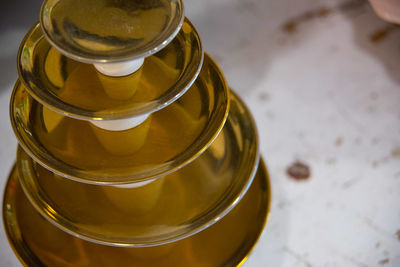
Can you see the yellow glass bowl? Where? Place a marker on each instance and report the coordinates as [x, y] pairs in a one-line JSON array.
[[110, 31], [78, 90], [168, 209], [78, 150], [36, 242]]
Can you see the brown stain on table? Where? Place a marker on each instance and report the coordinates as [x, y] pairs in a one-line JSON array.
[[396, 152], [299, 171], [291, 25], [339, 141], [383, 262], [375, 37], [381, 34]]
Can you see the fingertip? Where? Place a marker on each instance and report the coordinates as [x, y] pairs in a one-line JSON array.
[[388, 10]]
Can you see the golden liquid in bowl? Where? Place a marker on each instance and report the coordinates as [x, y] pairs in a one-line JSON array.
[[37, 242]]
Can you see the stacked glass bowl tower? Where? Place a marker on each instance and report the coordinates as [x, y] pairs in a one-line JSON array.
[[132, 150]]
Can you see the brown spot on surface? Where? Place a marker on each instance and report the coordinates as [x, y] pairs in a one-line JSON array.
[[291, 25], [323, 12], [396, 152], [382, 34], [383, 262], [378, 36], [398, 234], [339, 141], [299, 171], [378, 245]]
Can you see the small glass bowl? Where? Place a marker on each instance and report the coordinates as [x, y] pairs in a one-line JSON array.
[[79, 91], [110, 31]]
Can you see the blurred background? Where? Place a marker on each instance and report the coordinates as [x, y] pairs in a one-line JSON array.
[[322, 79]]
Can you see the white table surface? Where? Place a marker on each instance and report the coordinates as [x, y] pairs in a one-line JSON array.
[[322, 92]]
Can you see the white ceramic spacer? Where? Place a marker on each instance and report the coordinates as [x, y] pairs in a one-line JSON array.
[[134, 185], [119, 68], [121, 124]]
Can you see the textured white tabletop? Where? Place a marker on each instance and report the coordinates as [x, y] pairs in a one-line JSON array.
[[322, 79]]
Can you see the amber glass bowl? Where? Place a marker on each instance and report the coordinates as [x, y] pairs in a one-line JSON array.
[[36, 242], [174, 137], [168, 209], [78, 90], [110, 31]]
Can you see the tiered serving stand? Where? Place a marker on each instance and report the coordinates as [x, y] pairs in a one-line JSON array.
[[133, 150]]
